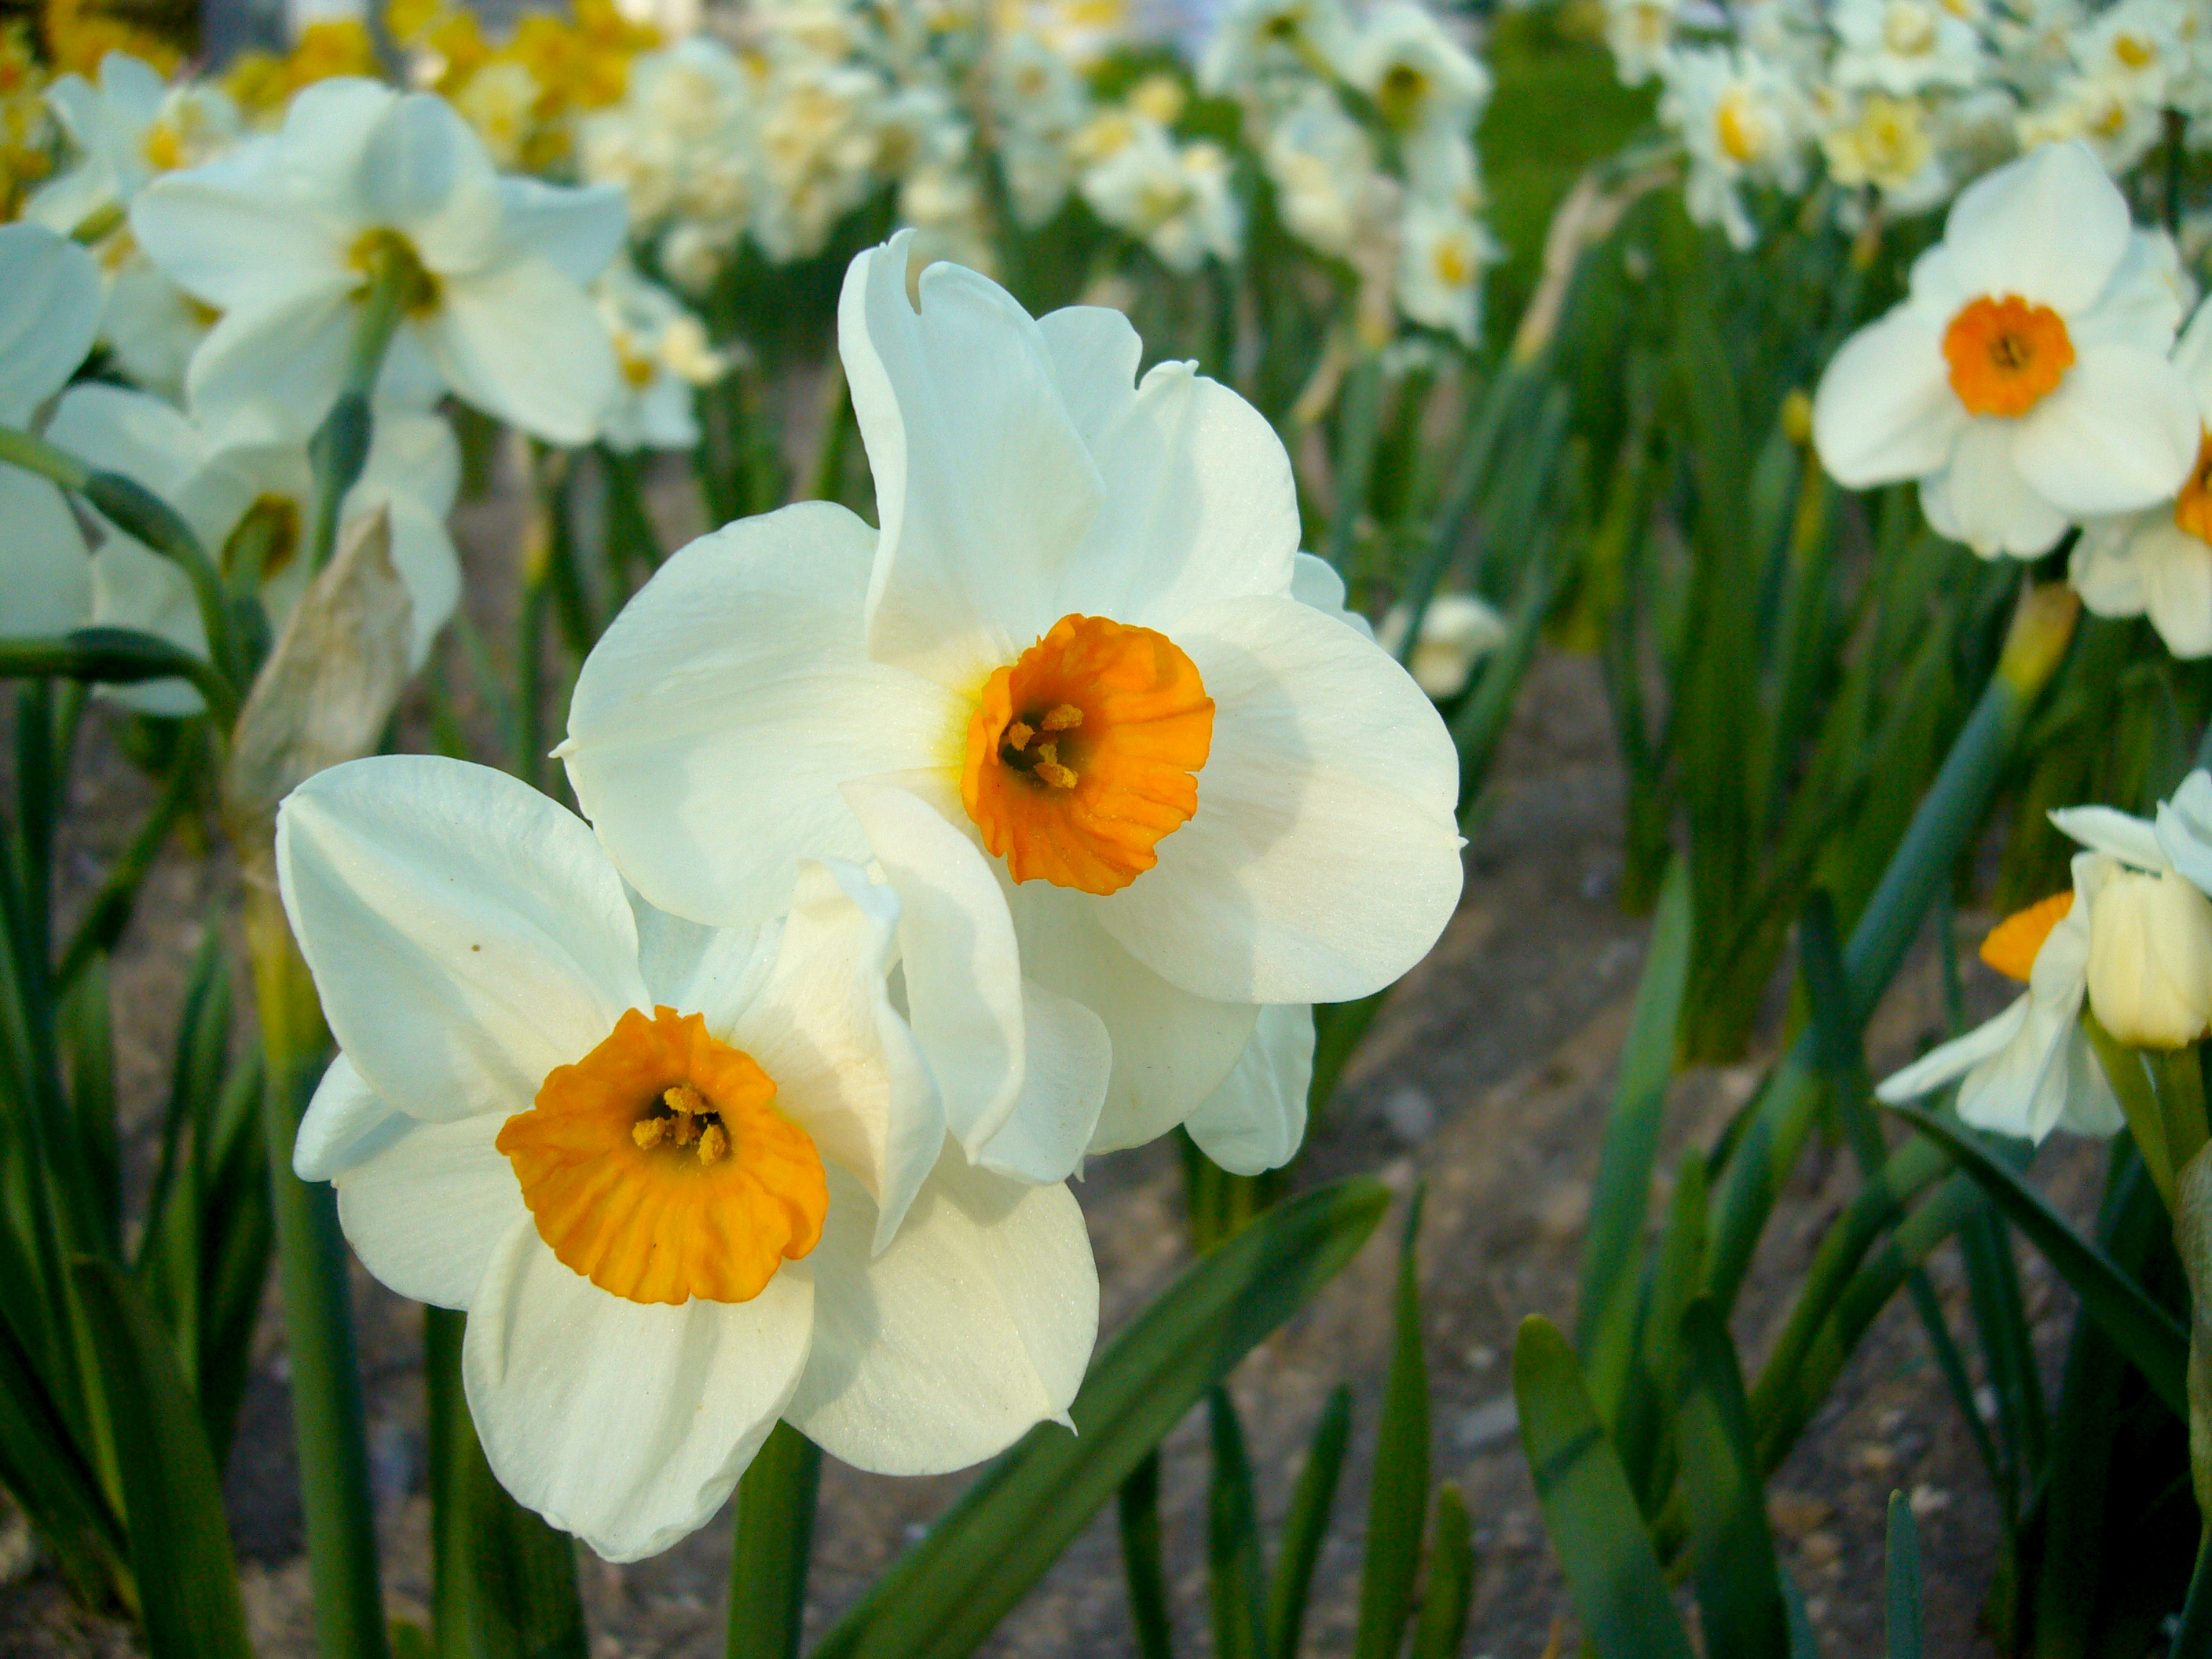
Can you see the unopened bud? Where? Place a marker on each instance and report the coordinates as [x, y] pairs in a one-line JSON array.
[[2150, 958]]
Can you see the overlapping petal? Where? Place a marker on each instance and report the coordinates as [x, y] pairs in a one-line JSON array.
[[1885, 408], [2119, 433], [1256, 1120], [427, 1211], [47, 325], [2050, 228]]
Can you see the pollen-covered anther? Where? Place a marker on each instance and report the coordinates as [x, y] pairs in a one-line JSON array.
[[714, 1143], [1082, 754]]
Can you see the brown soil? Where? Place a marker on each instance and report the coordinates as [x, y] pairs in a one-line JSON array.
[[1487, 1075]]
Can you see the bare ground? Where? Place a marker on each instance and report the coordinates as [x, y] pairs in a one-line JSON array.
[[1486, 1076]]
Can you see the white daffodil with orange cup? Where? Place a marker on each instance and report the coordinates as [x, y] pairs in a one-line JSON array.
[[685, 1181], [2025, 381], [1131, 787], [2131, 941]]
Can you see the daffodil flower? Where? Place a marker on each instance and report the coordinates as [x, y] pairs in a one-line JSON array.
[[685, 1182], [282, 235], [249, 499], [1131, 785], [46, 327], [128, 128], [2025, 381]]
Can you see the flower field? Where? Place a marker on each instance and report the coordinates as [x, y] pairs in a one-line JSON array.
[[912, 828]]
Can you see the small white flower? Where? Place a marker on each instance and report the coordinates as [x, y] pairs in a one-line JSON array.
[[1442, 254], [128, 130], [281, 236], [1457, 631], [1904, 46], [685, 1182], [1743, 121], [661, 351], [2025, 381]]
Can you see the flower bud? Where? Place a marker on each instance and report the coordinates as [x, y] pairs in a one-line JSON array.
[[2150, 958]]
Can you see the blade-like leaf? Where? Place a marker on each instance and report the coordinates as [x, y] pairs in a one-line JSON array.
[[1903, 1577], [1139, 1507], [2151, 1337], [950, 1590], [181, 1551], [1306, 1524], [1397, 1507], [1232, 1537], [1613, 1573], [1450, 1591], [47, 1475], [1620, 1197], [1731, 1551]]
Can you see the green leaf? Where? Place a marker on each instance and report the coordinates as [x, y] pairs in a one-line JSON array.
[[47, 1472], [1138, 1505], [947, 1594], [1620, 1197], [504, 1582], [775, 1542], [1232, 1537], [1642, 1444], [1731, 1551], [1611, 1572], [179, 1537], [1306, 1524], [1450, 1591], [2151, 1337], [1902, 1577], [1397, 1506]]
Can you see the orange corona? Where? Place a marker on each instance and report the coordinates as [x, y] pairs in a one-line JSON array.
[[2006, 356], [2192, 508], [2012, 943], [1082, 755], [658, 1167]]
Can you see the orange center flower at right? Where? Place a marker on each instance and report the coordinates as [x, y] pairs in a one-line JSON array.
[[1082, 755]]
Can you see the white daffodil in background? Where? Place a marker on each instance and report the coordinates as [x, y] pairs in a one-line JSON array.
[[1441, 256], [46, 327], [685, 1182], [2159, 562], [249, 499], [1457, 631], [661, 351], [2025, 381], [1743, 121], [282, 235], [127, 129], [2031, 1069], [1130, 786], [2150, 928]]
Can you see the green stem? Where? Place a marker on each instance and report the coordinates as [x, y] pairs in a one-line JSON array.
[[35, 454], [2194, 1639], [339, 448], [118, 656], [110, 911], [325, 1378], [774, 1540], [1360, 420]]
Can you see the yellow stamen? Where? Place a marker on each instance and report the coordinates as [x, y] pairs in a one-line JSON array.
[[1018, 735], [1065, 718], [649, 1132], [714, 1143]]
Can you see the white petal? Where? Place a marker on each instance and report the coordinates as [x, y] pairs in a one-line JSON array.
[[523, 342], [427, 1212], [2192, 356], [847, 1069], [974, 1325], [983, 486], [1170, 1050], [625, 1423], [328, 127], [2119, 434], [2020, 1090], [739, 667], [2105, 830], [2091, 1108], [1256, 1120], [575, 231], [1315, 581], [1981, 500], [711, 971], [1094, 353], [46, 575], [230, 234], [424, 173], [1323, 860], [2104, 569], [291, 352], [423, 555], [2050, 226], [344, 1117], [2184, 829], [1956, 1058], [1884, 409], [133, 586], [1071, 1066], [52, 312], [467, 934], [2177, 570], [1198, 506], [963, 969]]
